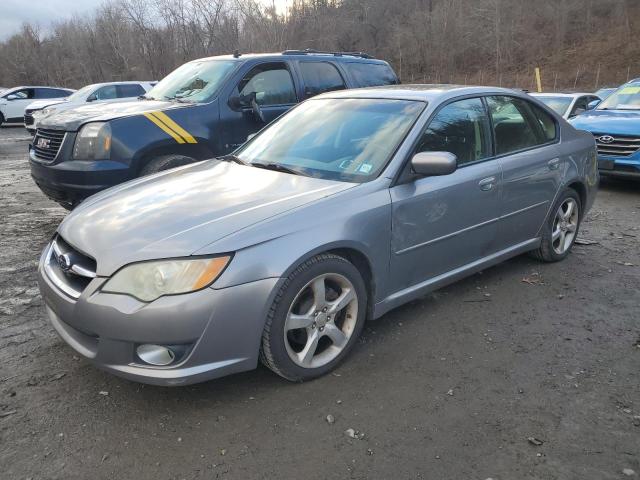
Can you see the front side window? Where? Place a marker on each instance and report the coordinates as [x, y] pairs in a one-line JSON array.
[[320, 77], [349, 140], [515, 125], [371, 74], [460, 128], [127, 90], [24, 94], [196, 81], [625, 98], [108, 92], [271, 84], [580, 106]]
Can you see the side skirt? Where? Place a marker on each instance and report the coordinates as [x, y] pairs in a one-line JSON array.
[[416, 291]]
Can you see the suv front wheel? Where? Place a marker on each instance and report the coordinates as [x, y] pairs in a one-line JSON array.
[[165, 162]]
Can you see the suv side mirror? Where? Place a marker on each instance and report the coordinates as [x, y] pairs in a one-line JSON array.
[[434, 163], [593, 104]]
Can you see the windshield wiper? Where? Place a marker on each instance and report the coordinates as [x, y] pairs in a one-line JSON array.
[[232, 158], [278, 168], [177, 99]]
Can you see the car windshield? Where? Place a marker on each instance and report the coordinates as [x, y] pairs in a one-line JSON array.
[[557, 104], [81, 94], [336, 139], [193, 82], [625, 98]]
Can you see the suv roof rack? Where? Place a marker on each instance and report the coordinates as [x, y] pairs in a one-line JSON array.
[[311, 51]]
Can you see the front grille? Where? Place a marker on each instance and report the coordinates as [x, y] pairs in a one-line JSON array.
[[70, 270], [28, 117], [620, 146], [46, 143]]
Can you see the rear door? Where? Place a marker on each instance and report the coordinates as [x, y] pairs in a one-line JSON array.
[[319, 77], [444, 222], [526, 143], [130, 90]]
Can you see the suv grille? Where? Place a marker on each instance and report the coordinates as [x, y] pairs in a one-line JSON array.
[[619, 145], [28, 117], [46, 143], [70, 270]]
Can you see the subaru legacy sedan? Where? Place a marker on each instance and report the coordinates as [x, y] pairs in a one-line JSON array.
[[351, 204]]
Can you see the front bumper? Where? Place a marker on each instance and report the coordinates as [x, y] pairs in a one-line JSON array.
[[623, 167], [220, 330], [70, 182]]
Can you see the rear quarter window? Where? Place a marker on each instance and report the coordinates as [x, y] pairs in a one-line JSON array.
[[371, 74]]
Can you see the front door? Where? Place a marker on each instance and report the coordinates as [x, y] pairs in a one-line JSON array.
[[445, 222], [17, 102], [270, 85]]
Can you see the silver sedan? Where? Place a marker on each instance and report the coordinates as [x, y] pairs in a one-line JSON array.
[[351, 204]]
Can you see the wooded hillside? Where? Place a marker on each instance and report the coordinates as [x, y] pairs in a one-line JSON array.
[[579, 44]]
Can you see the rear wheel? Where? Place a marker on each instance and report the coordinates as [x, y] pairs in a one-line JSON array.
[[561, 229], [1, 119], [315, 319], [165, 162]]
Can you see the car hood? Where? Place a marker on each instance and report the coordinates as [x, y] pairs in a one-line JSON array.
[[620, 122], [71, 120], [40, 104], [176, 213]]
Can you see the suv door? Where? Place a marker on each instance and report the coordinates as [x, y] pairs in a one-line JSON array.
[[525, 139], [272, 88], [17, 102], [444, 222]]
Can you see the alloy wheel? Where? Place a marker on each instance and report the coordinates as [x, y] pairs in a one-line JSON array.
[[565, 226], [321, 320]]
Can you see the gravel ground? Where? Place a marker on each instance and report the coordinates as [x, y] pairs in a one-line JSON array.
[[448, 387]]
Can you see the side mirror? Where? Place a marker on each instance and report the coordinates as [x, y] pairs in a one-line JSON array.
[[434, 163], [593, 104], [92, 98], [12, 97], [235, 103]]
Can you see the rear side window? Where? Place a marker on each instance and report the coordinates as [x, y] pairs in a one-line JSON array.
[[515, 125], [547, 123], [460, 128], [130, 90], [371, 74], [320, 77]]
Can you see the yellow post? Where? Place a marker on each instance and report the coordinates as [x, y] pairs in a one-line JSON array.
[[538, 80]]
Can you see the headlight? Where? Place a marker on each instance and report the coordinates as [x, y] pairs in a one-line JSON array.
[[38, 113], [93, 142], [148, 281]]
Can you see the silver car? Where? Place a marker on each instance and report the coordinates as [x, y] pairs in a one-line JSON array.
[[351, 204]]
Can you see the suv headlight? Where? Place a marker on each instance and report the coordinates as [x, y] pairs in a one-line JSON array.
[[93, 142], [148, 281]]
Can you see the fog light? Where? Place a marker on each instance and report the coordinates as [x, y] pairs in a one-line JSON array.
[[156, 354]]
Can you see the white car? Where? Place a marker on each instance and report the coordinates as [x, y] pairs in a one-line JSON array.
[[96, 92], [568, 104], [14, 100]]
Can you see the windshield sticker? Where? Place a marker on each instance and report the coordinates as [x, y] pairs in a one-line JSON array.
[[365, 168]]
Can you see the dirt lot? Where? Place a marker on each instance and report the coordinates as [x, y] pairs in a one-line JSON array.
[[448, 387]]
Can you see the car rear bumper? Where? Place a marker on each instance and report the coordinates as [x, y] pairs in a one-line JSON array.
[[70, 182], [215, 332]]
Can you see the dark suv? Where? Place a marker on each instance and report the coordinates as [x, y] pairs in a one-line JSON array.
[[206, 108]]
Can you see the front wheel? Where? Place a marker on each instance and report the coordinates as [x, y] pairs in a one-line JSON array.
[[165, 162], [316, 318], [561, 229]]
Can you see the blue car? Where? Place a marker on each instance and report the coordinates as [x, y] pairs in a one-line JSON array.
[[615, 124]]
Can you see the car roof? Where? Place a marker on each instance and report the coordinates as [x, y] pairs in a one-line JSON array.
[[567, 95], [123, 82], [298, 55], [9, 90], [420, 92]]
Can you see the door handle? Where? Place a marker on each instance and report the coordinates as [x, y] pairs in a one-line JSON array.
[[487, 184], [554, 164]]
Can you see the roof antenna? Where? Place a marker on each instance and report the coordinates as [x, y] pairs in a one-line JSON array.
[[236, 54]]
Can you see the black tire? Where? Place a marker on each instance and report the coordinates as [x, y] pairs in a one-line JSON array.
[[1, 119], [165, 162], [546, 252], [273, 351]]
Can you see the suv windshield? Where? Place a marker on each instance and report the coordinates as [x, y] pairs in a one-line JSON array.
[[625, 98], [193, 82], [557, 104], [336, 139]]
